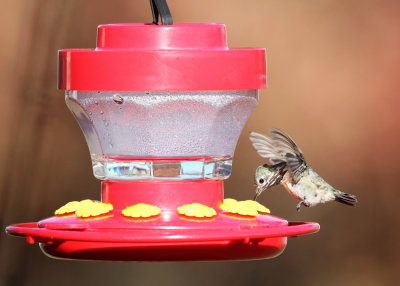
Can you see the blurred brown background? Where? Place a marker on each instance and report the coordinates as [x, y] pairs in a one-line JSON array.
[[334, 85]]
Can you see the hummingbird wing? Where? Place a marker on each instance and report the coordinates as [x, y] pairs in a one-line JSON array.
[[280, 170], [276, 173], [296, 166], [294, 158], [265, 148]]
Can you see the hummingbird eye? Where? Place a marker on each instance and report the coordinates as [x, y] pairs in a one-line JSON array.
[[261, 181]]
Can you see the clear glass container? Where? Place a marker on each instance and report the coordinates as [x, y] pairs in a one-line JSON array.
[[162, 135]]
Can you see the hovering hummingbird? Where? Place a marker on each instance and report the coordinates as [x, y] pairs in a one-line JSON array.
[[289, 168]]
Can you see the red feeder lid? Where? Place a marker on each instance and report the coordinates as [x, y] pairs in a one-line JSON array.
[[146, 57]]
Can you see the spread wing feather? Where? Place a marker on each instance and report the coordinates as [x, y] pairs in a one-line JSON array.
[[288, 148], [284, 144], [279, 147], [265, 148]]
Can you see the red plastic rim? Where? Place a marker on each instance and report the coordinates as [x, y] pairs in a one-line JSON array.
[[144, 57], [162, 245], [34, 233], [168, 236]]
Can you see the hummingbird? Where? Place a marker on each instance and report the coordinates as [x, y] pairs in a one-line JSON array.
[[289, 168]]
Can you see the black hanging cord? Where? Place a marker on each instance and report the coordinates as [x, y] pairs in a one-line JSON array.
[[160, 8]]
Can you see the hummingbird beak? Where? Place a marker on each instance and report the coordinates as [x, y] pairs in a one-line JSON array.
[[258, 192]]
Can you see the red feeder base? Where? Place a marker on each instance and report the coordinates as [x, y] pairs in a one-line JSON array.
[[166, 237]]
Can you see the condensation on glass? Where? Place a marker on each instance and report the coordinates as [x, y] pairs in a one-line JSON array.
[[162, 135]]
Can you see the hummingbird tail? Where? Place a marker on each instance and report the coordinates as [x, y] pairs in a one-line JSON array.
[[346, 199]]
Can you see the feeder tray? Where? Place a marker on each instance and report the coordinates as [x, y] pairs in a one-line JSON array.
[[165, 237]]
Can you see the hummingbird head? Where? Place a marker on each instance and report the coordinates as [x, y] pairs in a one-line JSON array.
[[261, 179], [267, 176]]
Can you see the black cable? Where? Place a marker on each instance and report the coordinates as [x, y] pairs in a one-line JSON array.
[[160, 8]]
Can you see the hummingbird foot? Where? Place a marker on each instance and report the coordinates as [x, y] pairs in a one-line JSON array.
[[304, 203], [299, 205]]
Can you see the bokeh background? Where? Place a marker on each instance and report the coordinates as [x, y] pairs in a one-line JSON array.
[[334, 85]]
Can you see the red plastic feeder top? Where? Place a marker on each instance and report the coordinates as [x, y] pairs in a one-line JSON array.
[[146, 57]]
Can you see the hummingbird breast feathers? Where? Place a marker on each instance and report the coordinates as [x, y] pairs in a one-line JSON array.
[[311, 189]]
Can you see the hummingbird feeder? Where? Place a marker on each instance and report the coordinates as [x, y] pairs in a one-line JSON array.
[[161, 107]]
